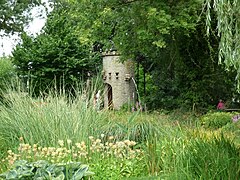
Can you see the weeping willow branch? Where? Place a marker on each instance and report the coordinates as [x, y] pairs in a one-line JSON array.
[[228, 27]]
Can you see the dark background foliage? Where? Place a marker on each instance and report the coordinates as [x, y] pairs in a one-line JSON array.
[[175, 65]]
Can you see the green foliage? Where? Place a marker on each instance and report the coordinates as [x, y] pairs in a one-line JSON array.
[[57, 57], [217, 158], [216, 120], [13, 14], [44, 170], [178, 76], [161, 36], [228, 24], [234, 130], [44, 120], [7, 75], [3, 149], [165, 149], [233, 127], [7, 72], [114, 169], [192, 79], [108, 159], [134, 27], [136, 126]]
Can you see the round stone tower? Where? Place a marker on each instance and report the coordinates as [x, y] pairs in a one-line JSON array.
[[119, 87]]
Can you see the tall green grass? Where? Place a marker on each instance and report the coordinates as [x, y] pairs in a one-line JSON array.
[[171, 150], [47, 119], [192, 158], [217, 158], [136, 126]]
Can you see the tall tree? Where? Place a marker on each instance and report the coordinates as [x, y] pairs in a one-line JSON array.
[[227, 13], [14, 14], [164, 37], [57, 55], [135, 26]]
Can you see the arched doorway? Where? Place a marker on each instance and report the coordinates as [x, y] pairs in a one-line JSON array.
[[109, 96]]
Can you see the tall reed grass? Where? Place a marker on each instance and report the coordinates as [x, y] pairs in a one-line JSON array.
[[216, 158], [46, 119]]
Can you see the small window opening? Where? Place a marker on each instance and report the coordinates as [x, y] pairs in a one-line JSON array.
[[117, 73]]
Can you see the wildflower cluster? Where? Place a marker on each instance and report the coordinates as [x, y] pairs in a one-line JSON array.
[[80, 151], [236, 118], [117, 149]]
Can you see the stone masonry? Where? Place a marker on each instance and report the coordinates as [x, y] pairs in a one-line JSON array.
[[119, 87]]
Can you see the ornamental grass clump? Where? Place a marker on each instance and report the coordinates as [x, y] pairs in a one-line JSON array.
[[136, 126], [215, 158], [47, 119]]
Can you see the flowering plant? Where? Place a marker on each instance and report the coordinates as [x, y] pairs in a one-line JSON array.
[[236, 118]]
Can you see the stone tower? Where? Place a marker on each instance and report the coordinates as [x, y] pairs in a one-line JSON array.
[[119, 87]]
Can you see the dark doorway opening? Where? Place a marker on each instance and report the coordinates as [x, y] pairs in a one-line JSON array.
[[109, 96]]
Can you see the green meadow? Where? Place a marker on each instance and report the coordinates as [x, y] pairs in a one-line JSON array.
[[60, 129]]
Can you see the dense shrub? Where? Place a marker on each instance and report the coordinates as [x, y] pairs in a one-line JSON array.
[[216, 120], [6, 72]]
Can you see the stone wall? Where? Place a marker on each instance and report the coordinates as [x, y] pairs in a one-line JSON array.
[[119, 76]]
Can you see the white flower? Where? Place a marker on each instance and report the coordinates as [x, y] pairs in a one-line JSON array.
[[111, 137], [98, 140], [69, 141], [78, 145], [61, 142], [91, 138]]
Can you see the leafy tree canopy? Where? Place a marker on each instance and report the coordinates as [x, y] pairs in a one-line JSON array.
[[166, 38], [14, 14], [227, 13], [57, 55], [135, 26]]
